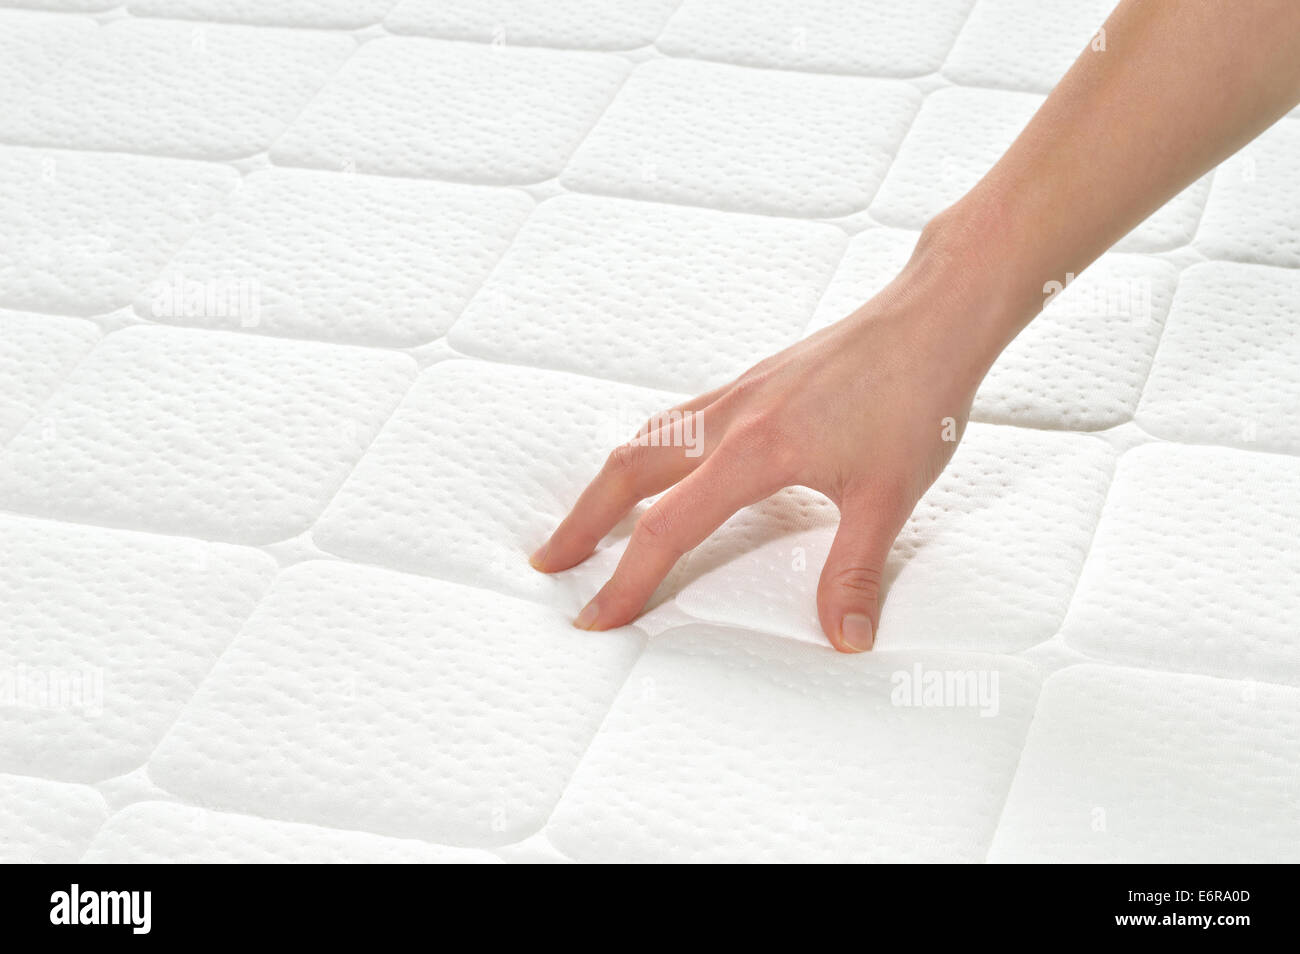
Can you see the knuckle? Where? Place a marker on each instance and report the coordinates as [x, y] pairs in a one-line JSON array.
[[762, 437], [623, 460], [748, 383], [655, 527], [860, 579], [785, 458], [756, 431]]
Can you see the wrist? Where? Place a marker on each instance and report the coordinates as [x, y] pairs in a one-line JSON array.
[[994, 284]]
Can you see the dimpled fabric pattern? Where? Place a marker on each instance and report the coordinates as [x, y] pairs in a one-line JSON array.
[[317, 315]]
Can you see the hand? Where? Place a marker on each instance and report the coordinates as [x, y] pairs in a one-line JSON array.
[[867, 412]]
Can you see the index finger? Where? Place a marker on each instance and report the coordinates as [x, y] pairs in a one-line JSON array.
[[677, 523]]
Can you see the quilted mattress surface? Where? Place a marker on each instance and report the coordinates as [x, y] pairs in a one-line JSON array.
[[316, 315]]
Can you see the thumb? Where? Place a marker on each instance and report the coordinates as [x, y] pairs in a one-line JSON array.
[[848, 594]]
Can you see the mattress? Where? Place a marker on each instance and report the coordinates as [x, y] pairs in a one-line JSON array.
[[317, 315]]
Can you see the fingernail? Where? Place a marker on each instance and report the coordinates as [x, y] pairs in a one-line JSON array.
[[587, 618], [856, 632], [538, 559]]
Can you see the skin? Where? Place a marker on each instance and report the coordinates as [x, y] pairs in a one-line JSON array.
[[860, 411]]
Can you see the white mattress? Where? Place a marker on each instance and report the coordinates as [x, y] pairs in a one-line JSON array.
[[264, 591]]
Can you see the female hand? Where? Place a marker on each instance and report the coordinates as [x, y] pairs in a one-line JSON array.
[[867, 412]]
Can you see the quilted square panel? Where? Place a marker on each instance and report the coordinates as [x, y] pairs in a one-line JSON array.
[[885, 39], [106, 636], [401, 706], [463, 111], [1122, 766], [84, 6], [83, 233], [958, 136], [170, 833], [44, 822], [870, 263], [1194, 567], [178, 89], [36, 353], [275, 261], [580, 24], [1079, 365], [1225, 371], [341, 14], [475, 470], [659, 295], [1082, 363], [1024, 501], [1255, 202], [1026, 44], [748, 140], [730, 745], [33, 46], [226, 437]]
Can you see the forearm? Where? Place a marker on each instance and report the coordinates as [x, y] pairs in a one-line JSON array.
[[1181, 85]]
